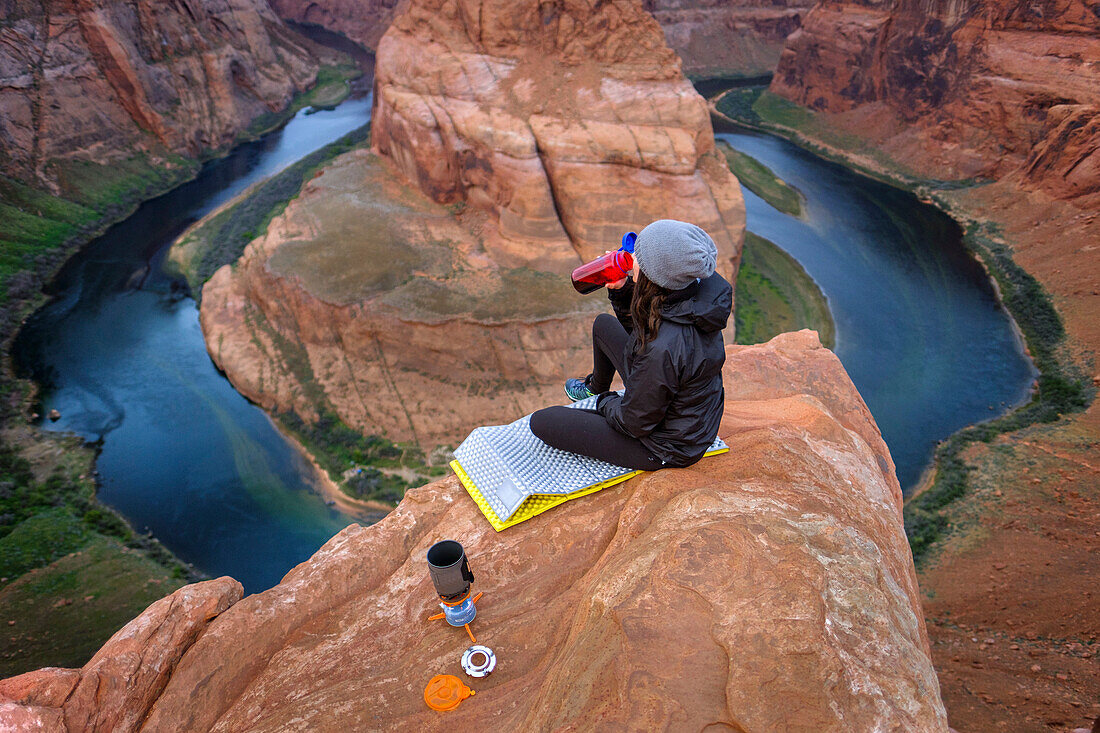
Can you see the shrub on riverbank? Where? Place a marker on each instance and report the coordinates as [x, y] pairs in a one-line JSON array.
[[1062, 388], [367, 467], [775, 294], [41, 520], [761, 180], [39, 229], [331, 87]]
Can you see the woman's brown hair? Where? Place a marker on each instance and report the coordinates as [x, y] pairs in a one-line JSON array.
[[645, 310]]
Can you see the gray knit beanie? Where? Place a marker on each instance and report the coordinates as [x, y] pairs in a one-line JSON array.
[[673, 253]]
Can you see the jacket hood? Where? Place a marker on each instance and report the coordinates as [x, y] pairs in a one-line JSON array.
[[705, 305]]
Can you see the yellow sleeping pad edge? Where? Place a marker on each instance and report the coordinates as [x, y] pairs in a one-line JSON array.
[[538, 503]]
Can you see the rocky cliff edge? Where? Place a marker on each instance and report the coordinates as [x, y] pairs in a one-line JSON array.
[[769, 588]]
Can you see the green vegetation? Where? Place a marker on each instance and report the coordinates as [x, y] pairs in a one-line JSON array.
[[64, 507], [1062, 388], [737, 104], [39, 540], [66, 610], [762, 181], [36, 228], [366, 467], [31, 223], [775, 295], [220, 239], [45, 524], [332, 86]]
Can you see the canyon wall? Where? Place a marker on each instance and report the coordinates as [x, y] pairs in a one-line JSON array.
[[738, 37], [566, 124], [770, 588], [362, 21], [960, 89], [101, 80]]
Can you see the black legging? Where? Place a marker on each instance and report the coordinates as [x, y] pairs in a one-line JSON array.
[[586, 431], [608, 344]]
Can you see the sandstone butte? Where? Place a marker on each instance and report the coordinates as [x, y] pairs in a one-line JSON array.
[[100, 80], [366, 299], [770, 588], [420, 289], [742, 38], [566, 124]]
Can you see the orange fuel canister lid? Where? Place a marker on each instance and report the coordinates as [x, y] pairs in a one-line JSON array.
[[445, 692]]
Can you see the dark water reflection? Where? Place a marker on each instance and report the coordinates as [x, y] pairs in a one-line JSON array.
[[918, 325], [120, 354]]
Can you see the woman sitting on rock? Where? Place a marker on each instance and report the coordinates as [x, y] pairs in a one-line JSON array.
[[665, 341]]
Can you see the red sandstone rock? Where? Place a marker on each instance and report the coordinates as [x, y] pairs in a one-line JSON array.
[[368, 297], [979, 88], [102, 80], [567, 123], [770, 588], [114, 691], [739, 37]]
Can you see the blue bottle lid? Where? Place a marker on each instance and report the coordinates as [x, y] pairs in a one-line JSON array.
[[628, 242]]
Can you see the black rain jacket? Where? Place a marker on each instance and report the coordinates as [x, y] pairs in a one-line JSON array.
[[674, 398]]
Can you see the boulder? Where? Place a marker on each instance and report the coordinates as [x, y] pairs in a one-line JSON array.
[[115, 689]]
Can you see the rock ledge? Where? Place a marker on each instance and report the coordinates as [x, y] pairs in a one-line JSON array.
[[770, 588]]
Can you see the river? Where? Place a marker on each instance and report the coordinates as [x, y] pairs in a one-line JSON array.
[[119, 353], [918, 324]]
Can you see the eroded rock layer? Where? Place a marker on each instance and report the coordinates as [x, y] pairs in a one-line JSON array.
[[568, 123], [743, 37], [367, 299], [738, 38], [99, 80], [770, 588], [960, 89]]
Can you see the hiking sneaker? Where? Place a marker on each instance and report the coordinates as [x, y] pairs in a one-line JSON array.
[[577, 389]]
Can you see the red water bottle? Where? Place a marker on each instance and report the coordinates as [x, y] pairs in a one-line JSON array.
[[607, 268]]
